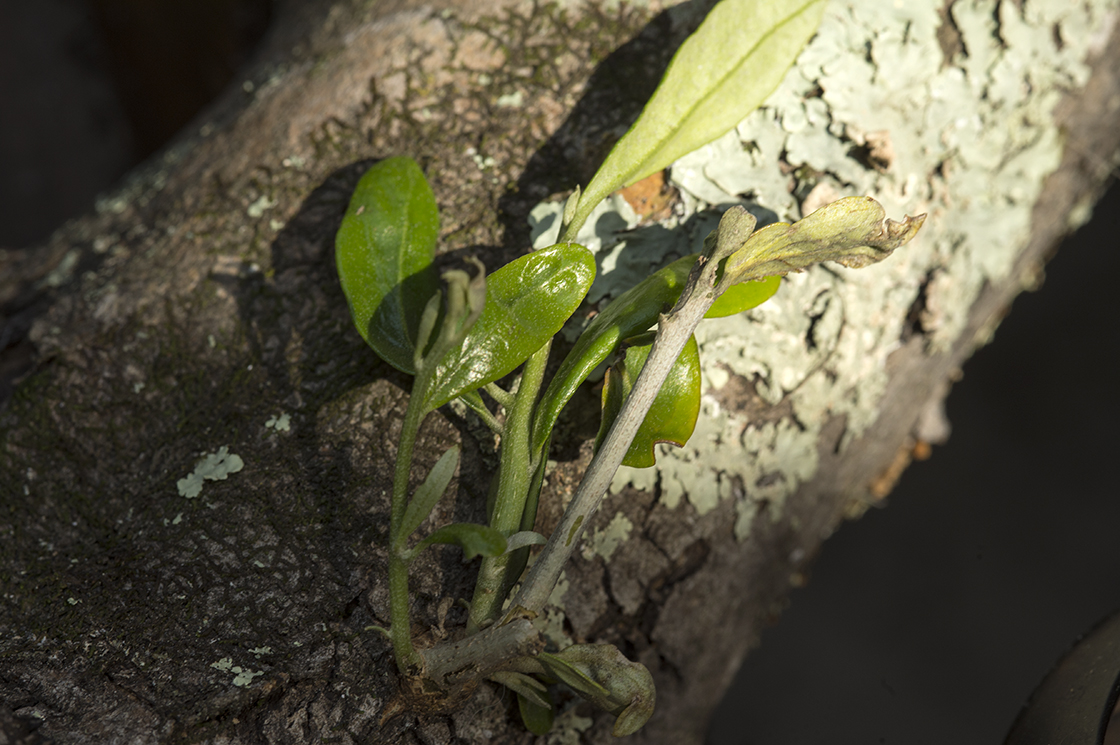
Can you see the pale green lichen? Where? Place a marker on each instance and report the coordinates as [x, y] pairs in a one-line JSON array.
[[281, 423], [604, 541], [510, 100], [242, 676], [568, 728], [870, 107], [258, 208], [550, 623], [214, 467]]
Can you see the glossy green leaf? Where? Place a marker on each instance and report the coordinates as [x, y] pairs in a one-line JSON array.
[[671, 418], [384, 251], [474, 539], [631, 313], [743, 296], [720, 74], [426, 497], [527, 302]]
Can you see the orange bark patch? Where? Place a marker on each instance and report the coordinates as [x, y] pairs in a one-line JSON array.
[[652, 197]]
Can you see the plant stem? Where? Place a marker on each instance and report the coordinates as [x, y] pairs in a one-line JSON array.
[[477, 655], [499, 573], [400, 629], [673, 332]]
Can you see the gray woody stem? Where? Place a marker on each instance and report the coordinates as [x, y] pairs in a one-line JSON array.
[[673, 331], [851, 231]]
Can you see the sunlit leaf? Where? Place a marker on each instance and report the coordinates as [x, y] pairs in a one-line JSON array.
[[720, 74], [852, 231], [527, 302], [631, 313], [384, 251], [671, 418], [743, 296]]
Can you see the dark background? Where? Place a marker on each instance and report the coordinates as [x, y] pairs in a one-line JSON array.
[[928, 622]]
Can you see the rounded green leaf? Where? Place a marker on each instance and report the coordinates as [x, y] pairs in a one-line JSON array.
[[527, 302], [743, 296], [384, 251], [671, 418]]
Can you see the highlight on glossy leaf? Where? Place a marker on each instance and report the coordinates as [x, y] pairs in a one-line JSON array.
[[633, 312], [671, 418], [383, 250], [527, 302], [721, 73], [744, 296]]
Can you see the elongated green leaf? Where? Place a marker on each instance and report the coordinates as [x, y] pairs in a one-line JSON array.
[[523, 685], [384, 251], [631, 313], [720, 74], [426, 497], [852, 231], [474, 539], [744, 296], [671, 418], [527, 302]]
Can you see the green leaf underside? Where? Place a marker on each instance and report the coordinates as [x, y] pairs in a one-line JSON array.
[[671, 418], [384, 249], [524, 685], [744, 296], [721, 73], [852, 231], [537, 719], [602, 675], [527, 302], [630, 314], [474, 539], [429, 493]]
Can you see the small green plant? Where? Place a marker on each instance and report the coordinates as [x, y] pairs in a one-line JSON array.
[[460, 337]]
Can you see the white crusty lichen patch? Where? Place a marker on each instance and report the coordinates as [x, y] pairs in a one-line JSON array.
[[241, 676], [213, 467], [874, 105], [605, 541]]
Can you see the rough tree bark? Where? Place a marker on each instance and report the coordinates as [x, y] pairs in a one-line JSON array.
[[198, 308]]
